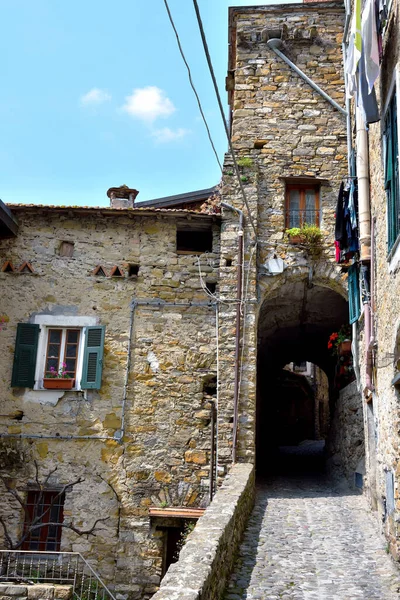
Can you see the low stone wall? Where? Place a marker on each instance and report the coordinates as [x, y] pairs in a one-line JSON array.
[[345, 446], [207, 557], [37, 591]]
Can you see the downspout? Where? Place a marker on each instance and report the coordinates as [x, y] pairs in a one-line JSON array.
[[120, 434], [212, 452], [238, 325], [364, 208], [274, 44]]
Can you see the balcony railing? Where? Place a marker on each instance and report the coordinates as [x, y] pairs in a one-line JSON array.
[[298, 218], [66, 568]]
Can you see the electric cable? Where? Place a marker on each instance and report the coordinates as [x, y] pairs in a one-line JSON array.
[[221, 108], [191, 82]]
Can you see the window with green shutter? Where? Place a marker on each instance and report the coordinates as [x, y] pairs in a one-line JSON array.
[[391, 152], [26, 344], [354, 294], [93, 358]]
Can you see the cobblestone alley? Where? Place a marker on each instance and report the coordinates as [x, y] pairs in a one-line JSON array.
[[306, 540]]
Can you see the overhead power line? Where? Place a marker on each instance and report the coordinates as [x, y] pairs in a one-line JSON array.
[[221, 108], [191, 82]]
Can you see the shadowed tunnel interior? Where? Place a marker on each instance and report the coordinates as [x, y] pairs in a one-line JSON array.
[[295, 323]]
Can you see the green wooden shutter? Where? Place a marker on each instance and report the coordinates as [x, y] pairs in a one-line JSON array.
[[354, 294], [93, 358], [392, 172], [26, 345]]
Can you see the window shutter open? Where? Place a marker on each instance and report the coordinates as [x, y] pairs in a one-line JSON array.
[[26, 345], [93, 358], [354, 294]]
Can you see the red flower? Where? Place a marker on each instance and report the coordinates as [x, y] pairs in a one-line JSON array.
[[329, 345]]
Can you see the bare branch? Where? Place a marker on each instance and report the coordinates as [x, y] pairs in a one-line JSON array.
[[53, 501], [71, 526], [50, 473], [6, 534]]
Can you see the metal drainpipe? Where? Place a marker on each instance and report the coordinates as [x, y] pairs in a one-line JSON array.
[[238, 326], [364, 209], [274, 44], [212, 454], [369, 321], [348, 120], [128, 366]]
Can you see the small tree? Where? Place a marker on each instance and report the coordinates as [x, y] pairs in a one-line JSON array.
[[35, 522]]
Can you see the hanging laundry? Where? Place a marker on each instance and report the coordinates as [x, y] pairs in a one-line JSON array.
[[370, 49], [353, 204], [340, 225], [351, 69], [381, 15], [366, 101], [346, 228], [357, 31]]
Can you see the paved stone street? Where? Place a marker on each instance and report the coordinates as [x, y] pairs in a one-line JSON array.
[[307, 541]]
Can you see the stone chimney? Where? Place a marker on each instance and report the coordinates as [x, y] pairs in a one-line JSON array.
[[122, 197]]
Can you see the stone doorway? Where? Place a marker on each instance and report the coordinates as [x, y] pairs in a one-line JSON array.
[[295, 391]]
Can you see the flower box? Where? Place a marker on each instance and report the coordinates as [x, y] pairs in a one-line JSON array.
[[344, 348], [296, 239], [58, 383]]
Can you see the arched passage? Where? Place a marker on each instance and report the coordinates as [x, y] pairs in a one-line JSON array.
[[294, 325]]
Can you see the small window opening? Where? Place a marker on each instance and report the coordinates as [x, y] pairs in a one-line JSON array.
[[100, 271], [174, 540], [116, 272], [211, 286], [8, 267], [228, 262], [25, 268], [67, 249], [302, 205], [194, 242], [210, 385], [46, 508], [133, 270], [299, 366]]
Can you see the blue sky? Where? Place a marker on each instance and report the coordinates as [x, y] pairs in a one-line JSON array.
[[95, 95]]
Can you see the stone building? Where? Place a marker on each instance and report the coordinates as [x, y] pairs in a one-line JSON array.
[[176, 317], [378, 324]]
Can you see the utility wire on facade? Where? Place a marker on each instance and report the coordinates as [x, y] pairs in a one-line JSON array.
[[191, 83], [221, 108]]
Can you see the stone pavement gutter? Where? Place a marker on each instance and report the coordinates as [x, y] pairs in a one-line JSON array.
[[207, 558]]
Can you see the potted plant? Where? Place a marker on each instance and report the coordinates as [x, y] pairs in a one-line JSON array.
[[310, 236], [295, 235], [340, 342], [58, 380]]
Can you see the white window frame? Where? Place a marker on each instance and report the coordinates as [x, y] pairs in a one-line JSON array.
[[47, 322]]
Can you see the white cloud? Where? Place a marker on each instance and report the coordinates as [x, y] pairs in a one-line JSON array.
[[165, 135], [148, 103], [95, 96]]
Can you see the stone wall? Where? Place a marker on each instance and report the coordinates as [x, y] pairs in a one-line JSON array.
[[39, 591], [382, 414], [345, 444], [164, 455], [287, 133], [208, 555]]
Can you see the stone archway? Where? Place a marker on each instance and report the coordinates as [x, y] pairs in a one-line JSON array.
[[294, 324]]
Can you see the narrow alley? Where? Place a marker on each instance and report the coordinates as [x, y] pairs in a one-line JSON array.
[[307, 540]]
